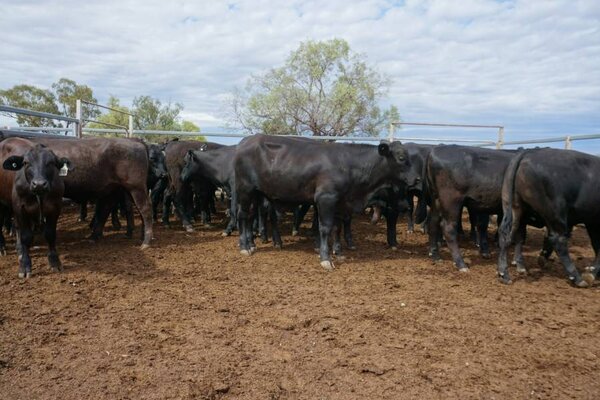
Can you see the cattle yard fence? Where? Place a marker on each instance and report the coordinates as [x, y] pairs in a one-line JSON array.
[[78, 129]]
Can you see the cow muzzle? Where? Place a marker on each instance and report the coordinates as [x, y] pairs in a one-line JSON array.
[[39, 186]]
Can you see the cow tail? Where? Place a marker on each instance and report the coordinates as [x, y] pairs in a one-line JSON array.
[[425, 198], [508, 193]]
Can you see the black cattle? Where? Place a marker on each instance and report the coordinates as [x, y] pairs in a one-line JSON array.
[[337, 177], [560, 187], [458, 176], [31, 187], [180, 194], [104, 166], [217, 166], [158, 177]]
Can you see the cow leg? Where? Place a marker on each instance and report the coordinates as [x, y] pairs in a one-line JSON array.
[[434, 231], [314, 228], [5, 215], [475, 219], [50, 236], [449, 222], [409, 220], [101, 212], [546, 252], [167, 205], [156, 194], [232, 214], [180, 201], [594, 233], [262, 217], [519, 240], [559, 238], [336, 233], [391, 219], [142, 202], [347, 224], [299, 214], [327, 205], [277, 243], [483, 221], [82, 211], [114, 218], [127, 209], [246, 201], [24, 242]]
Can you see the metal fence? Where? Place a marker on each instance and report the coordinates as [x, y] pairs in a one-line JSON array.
[[78, 129]]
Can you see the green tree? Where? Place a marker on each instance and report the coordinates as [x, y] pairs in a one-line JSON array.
[[67, 92], [112, 117], [189, 126], [323, 89], [151, 114], [31, 98]]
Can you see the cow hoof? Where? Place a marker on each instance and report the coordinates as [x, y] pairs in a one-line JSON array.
[[245, 252], [463, 269], [588, 277], [394, 248], [505, 281], [521, 269], [410, 231], [582, 284], [486, 255], [294, 233], [144, 246], [225, 234], [189, 228], [21, 275], [541, 261], [2, 252], [277, 246], [327, 265], [352, 247], [340, 257]]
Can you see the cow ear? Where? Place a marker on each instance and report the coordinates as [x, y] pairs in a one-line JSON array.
[[191, 154], [65, 162], [13, 163], [383, 149]]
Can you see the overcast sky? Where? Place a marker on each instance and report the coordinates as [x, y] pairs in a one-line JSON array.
[[533, 66]]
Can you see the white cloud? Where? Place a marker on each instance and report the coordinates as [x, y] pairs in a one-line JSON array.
[[475, 60]]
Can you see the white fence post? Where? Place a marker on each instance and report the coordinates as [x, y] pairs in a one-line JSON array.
[[130, 132], [391, 132], [500, 142], [568, 143], [78, 126]]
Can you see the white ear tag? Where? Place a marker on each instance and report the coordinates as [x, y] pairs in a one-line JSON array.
[[64, 170]]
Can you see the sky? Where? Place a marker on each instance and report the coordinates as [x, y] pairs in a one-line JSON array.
[[532, 66]]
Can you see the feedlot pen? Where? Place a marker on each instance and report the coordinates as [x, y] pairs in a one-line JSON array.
[[192, 318]]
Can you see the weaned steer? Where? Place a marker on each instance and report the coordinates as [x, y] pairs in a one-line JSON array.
[[103, 166], [175, 152], [339, 178], [217, 166], [458, 176], [32, 187], [561, 188]]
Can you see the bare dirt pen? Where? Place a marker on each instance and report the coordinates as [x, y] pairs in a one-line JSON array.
[[192, 318]]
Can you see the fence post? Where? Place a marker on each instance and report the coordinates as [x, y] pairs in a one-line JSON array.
[[500, 142], [391, 132], [568, 143], [130, 131], [78, 126]]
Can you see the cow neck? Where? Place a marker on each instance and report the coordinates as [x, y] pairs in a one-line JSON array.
[[377, 172], [207, 163]]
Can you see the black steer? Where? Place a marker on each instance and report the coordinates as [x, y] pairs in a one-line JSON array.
[[560, 187], [33, 189], [339, 178]]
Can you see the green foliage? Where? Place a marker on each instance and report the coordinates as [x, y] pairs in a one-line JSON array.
[[68, 91], [189, 126], [32, 98], [323, 89], [112, 117], [151, 114]]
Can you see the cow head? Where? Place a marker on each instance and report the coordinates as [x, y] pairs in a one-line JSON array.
[[39, 167], [399, 160], [156, 157], [191, 166]]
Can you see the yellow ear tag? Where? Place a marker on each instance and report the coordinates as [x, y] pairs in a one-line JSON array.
[[64, 170]]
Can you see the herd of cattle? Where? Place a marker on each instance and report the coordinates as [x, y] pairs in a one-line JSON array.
[[266, 175]]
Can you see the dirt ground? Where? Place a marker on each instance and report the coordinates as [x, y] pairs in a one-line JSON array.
[[192, 318]]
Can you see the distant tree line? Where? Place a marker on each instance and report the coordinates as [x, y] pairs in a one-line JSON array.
[[149, 113]]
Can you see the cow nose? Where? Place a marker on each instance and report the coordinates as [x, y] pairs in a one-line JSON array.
[[38, 186]]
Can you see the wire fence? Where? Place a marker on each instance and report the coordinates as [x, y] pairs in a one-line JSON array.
[[78, 129]]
